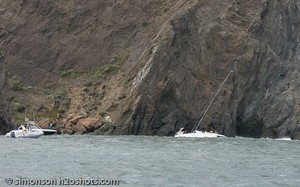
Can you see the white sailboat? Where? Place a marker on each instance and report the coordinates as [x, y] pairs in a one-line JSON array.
[[197, 134], [203, 134]]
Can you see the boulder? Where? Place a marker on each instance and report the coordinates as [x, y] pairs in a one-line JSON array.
[[87, 125], [105, 129], [44, 123], [68, 129], [76, 119]]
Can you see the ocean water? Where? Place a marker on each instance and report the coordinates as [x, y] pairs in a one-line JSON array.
[[148, 161]]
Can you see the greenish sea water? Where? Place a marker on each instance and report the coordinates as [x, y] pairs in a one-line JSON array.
[[150, 161]]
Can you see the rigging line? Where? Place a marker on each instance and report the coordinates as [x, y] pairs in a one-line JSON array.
[[197, 123], [213, 99], [199, 119], [225, 110]]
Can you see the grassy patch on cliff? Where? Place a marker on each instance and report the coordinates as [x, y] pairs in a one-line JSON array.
[[105, 70], [118, 59], [121, 56], [17, 107], [127, 81], [20, 117], [15, 84], [60, 99], [70, 74], [52, 114]]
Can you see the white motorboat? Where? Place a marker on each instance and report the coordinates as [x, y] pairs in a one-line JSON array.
[[35, 127], [203, 134], [23, 132], [197, 134]]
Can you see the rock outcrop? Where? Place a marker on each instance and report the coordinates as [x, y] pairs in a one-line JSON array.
[[87, 125], [5, 123], [258, 40], [154, 66]]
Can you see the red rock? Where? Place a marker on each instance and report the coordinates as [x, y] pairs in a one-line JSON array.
[[87, 125], [43, 123], [68, 128], [76, 119]]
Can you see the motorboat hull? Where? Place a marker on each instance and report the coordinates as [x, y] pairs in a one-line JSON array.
[[46, 131], [49, 132], [199, 134], [24, 134]]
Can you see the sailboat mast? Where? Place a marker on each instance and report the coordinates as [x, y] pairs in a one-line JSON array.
[[213, 99]]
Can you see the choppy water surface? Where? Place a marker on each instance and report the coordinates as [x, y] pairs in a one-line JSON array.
[[153, 161]]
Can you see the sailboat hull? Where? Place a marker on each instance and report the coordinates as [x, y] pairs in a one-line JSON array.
[[199, 134]]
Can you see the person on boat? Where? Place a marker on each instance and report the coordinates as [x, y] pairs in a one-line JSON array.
[[181, 131], [24, 130], [50, 125]]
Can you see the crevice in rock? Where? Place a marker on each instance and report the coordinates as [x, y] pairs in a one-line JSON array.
[[253, 128]]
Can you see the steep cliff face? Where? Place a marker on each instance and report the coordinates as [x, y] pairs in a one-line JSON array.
[[5, 123], [153, 66], [41, 39], [258, 40], [272, 100]]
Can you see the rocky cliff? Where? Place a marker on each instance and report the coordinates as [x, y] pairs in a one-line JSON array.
[[136, 67], [5, 123]]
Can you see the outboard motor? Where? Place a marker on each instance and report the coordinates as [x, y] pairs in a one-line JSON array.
[[12, 134]]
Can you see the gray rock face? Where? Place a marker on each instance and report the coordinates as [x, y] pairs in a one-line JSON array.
[[258, 40], [5, 124]]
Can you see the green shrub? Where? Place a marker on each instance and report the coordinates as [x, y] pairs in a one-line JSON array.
[[48, 92], [103, 114], [28, 88], [69, 74], [15, 84], [20, 117], [121, 56], [17, 107], [49, 85], [60, 99], [52, 114], [127, 80], [109, 68]]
